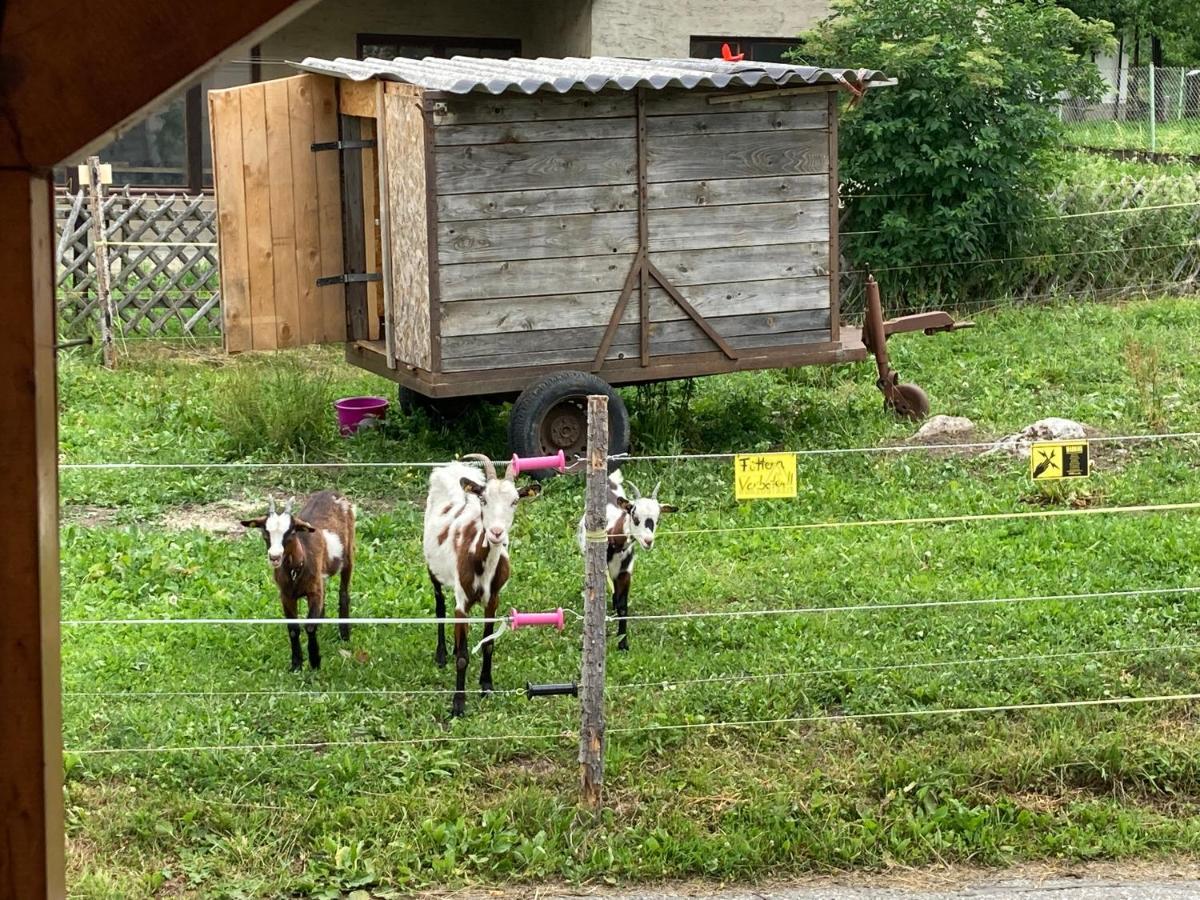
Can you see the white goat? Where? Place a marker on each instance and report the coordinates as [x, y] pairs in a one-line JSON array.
[[467, 518], [629, 523]]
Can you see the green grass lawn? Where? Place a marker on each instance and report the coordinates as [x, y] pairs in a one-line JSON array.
[[490, 799], [1180, 137]]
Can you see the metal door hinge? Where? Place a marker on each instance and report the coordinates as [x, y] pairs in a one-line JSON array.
[[349, 278], [343, 145]]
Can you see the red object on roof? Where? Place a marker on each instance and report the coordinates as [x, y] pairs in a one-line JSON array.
[[729, 56]]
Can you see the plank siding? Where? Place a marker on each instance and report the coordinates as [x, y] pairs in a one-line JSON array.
[[553, 202], [552, 164], [760, 153], [497, 317], [305, 213], [278, 212], [536, 108], [225, 117], [404, 123], [627, 334], [577, 275], [331, 299], [732, 191], [722, 227], [622, 198], [283, 214], [631, 350], [258, 212], [599, 234], [533, 132], [732, 122], [673, 103]]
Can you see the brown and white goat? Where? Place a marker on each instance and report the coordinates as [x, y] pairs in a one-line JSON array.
[[630, 524], [304, 550], [467, 518]]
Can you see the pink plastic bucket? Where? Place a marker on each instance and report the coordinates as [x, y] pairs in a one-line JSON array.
[[353, 411]]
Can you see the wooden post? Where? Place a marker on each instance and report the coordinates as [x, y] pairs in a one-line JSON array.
[[100, 260], [31, 765], [591, 694]]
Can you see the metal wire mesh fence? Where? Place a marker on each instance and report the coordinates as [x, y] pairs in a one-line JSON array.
[[1153, 110]]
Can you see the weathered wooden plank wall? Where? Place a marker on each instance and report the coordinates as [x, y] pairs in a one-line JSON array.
[[279, 223], [537, 229]]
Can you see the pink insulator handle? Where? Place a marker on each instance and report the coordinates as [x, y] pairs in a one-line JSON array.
[[529, 619], [520, 464]]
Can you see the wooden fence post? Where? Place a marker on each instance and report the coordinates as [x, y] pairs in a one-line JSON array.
[[591, 732], [95, 190]]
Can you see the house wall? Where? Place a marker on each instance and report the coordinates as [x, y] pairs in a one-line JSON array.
[[665, 27], [330, 29]]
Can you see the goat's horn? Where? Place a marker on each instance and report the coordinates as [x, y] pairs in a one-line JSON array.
[[489, 467], [654, 493], [271, 505], [287, 510], [637, 495]]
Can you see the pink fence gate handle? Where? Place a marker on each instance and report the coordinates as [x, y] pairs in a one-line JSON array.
[[520, 464], [530, 619]]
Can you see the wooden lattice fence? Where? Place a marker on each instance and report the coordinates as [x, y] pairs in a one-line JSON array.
[[162, 255]]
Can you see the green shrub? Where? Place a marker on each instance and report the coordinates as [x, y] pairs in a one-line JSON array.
[[279, 408], [948, 166]]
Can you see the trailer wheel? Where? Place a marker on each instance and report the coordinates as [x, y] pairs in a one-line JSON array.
[[913, 402], [445, 409], [551, 415]]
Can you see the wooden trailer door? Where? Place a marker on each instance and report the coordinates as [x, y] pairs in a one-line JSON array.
[[279, 213]]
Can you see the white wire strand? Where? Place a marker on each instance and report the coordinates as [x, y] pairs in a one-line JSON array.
[[914, 604], [736, 678], [900, 448], [383, 620], [936, 520], [323, 745], [366, 692], [916, 713], [1052, 218]]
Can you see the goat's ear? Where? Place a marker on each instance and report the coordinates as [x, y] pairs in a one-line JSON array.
[[530, 490], [667, 507], [260, 522], [626, 504], [301, 525], [471, 486]]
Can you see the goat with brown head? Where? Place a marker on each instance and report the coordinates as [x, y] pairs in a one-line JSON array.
[[305, 550]]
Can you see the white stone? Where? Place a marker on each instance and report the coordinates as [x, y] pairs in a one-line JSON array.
[[1049, 429], [944, 430]]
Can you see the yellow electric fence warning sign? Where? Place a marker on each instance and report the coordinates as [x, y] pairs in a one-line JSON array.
[[1051, 460], [764, 476]]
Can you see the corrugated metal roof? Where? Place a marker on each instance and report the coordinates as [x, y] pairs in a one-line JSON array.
[[467, 74]]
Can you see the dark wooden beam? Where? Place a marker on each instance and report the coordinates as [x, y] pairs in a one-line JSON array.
[[31, 826], [57, 102]]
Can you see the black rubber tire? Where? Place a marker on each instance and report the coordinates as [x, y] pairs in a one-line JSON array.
[[528, 426], [446, 409]]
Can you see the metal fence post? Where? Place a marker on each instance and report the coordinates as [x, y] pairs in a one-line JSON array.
[[1153, 112], [591, 731], [95, 190]]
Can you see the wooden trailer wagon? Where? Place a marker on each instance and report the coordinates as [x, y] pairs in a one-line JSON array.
[[542, 229]]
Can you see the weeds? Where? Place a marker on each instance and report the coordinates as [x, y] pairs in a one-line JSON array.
[[1145, 367], [278, 409]]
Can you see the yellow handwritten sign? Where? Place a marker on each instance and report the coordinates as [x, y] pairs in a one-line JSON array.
[[764, 476], [1051, 460]]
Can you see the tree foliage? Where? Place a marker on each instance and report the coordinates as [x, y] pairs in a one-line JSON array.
[[963, 141]]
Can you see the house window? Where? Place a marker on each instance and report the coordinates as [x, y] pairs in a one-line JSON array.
[[169, 150], [757, 49], [389, 46]]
